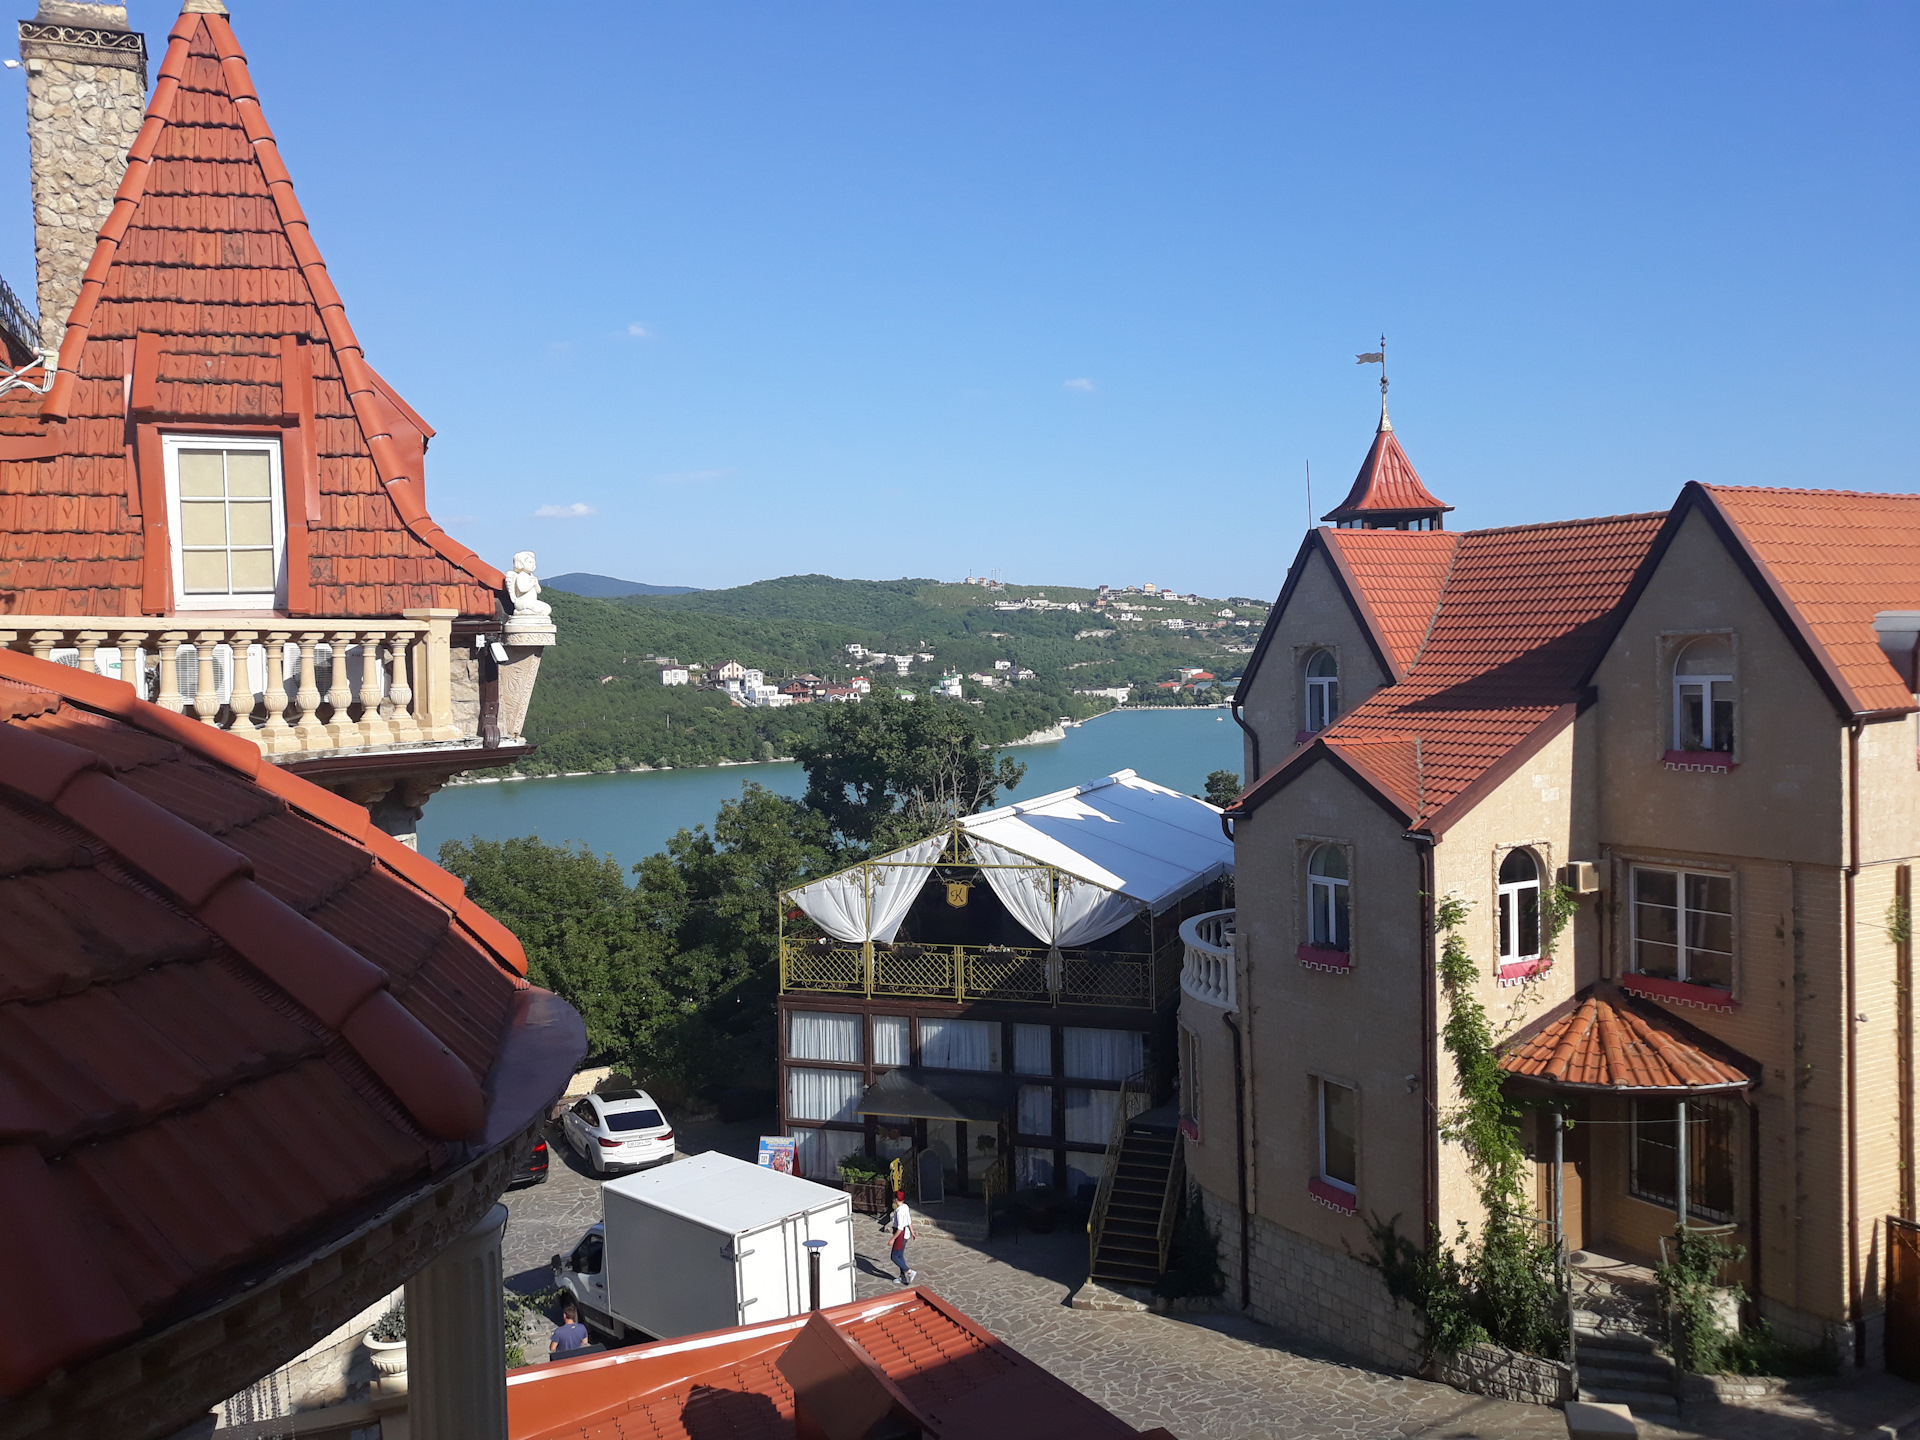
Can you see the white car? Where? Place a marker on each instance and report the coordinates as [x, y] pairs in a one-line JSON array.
[[620, 1128]]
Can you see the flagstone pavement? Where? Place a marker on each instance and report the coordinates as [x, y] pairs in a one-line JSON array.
[[1203, 1377]]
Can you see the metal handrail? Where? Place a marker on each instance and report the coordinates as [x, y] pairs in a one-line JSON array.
[[972, 972], [1131, 1088], [1170, 1202]]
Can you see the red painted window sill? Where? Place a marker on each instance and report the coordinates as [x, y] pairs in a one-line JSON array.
[[1190, 1128], [1333, 1197], [1516, 971], [1714, 761], [1658, 987], [1317, 957]]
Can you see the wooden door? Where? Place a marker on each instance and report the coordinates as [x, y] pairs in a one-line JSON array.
[[1903, 1298]]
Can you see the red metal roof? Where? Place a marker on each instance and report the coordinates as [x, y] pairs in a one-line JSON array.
[[232, 1012], [1837, 558], [1605, 1039], [207, 301], [1387, 483], [952, 1378]]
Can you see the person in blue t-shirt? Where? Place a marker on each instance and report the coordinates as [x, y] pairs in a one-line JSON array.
[[571, 1335]]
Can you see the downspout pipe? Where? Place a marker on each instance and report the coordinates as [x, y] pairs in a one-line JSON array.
[[1855, 1300], [1253, 738], [1429, 1041], [1240, 1166]]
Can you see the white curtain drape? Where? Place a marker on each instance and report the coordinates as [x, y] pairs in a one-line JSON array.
[[1090, 1115], [869, 901], [821, 1151], [1062, 910], [822, 1094], [1033, 1049], [812, 1036], [960, 1044], [1036, 1110], [890, 1040], [1103, 1054]]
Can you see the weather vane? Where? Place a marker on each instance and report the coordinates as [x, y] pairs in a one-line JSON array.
[[1379, 357]]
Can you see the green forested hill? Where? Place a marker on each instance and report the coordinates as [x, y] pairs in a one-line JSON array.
[[599, 704]]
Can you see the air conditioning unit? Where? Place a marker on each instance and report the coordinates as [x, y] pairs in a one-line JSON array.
[[1581, 876]]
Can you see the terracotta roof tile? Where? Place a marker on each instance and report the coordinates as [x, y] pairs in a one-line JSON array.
[[1605, 1039], [1387, 484], [191, 964], [1400, 575]]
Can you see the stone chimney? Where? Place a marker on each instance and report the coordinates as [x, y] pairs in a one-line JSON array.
[[86, 96]]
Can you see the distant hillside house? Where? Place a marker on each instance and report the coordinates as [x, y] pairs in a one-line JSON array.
[[674, 675], [730, 670]]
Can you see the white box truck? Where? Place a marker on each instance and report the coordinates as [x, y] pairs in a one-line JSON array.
[[706, 1243]]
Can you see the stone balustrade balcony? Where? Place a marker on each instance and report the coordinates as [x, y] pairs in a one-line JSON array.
[[1206, 971]]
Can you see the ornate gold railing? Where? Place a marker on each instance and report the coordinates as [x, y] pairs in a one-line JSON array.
[[970, 972]]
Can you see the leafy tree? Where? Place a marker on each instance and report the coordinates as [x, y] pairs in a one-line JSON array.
[[888, 771], [1223, 787]]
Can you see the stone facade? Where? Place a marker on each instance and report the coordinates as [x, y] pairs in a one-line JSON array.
[[86, 98], [1302, 1286], [1506, 1375]]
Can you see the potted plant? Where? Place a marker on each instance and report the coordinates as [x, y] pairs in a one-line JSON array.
[[386, 1341], [866, 1181]]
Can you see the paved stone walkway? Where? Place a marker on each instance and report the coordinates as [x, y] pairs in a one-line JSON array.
[[1204, 1377]]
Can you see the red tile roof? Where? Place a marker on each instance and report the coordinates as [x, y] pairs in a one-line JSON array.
[[207, 299], [1386, 485], [1605, 1039], [953, 1379], [232, 1012], [1836, 557], [1397, 577]]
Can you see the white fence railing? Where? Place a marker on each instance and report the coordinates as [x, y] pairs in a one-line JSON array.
[[1206, 972], [291, 687]]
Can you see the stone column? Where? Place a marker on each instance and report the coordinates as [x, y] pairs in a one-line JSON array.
[[432, 674], [86, 96], [526, 642], [456, 1356]]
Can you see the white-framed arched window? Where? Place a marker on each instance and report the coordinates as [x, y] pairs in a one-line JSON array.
[[1703, 696], [1323, 690], [1327, 898], [1519, 907]]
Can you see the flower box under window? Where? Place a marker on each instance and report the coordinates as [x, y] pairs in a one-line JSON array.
[[1321, 957]]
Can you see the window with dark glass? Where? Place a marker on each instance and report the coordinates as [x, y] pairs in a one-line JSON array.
[[1323, 690], [1656, 1157], [1327, 898], [1519, 896], [1683, 926], [1703, 696], [1339, 1135]]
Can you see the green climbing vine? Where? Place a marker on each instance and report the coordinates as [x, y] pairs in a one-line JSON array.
[[1503, 1285], [1899, 922], [1558, 905]]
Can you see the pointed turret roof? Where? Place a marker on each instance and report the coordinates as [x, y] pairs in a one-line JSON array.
[[1387, 490]]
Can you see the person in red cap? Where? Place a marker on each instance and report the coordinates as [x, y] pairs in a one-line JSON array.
[[902, 1232]]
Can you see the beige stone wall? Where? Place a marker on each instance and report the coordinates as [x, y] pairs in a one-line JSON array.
[[85, 103], [1317, 617], [1212, 1158]]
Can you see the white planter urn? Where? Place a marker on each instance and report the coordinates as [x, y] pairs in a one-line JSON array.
[[389, 1357]]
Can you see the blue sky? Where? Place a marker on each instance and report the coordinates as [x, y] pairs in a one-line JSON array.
[[1073, 290]]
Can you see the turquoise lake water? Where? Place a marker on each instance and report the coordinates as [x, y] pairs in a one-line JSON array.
[[632, 815]]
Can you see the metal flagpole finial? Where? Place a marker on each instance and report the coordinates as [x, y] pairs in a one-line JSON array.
[[1379, 357]]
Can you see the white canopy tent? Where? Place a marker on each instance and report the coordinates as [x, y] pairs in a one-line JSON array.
[[1071, 866]]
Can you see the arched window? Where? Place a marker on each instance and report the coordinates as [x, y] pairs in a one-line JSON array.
[[1519, 907], [1327, 898], [1703, 696], [1323, 690]]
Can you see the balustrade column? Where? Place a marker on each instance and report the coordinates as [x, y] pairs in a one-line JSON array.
[[206, 694], [43, 642], [399, 710], [89, 642], [374, 729], [312, 734], [133, 661], [240, 690], [170, 697], [341, 730], [277, 736]]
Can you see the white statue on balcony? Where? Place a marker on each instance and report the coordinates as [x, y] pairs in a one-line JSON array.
[[523, 589]]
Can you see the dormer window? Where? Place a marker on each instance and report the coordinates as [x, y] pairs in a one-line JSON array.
[[1323, 690], [1703, 696], [229, 522], [1519, 896]]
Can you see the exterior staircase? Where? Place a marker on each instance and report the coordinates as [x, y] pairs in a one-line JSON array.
[[1133, 1215], [1616, 1339]]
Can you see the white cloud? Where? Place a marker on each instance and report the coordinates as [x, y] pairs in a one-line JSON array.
[[693, 477], [638, 331], [1083, 385], [574, 511]]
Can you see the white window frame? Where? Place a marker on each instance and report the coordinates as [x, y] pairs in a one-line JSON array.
[[1706, 684], [171, 446], [1322, 691], [1507, 897], [1351, 1187], [1190, 1075], [1325, 891], [1683, 968]]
